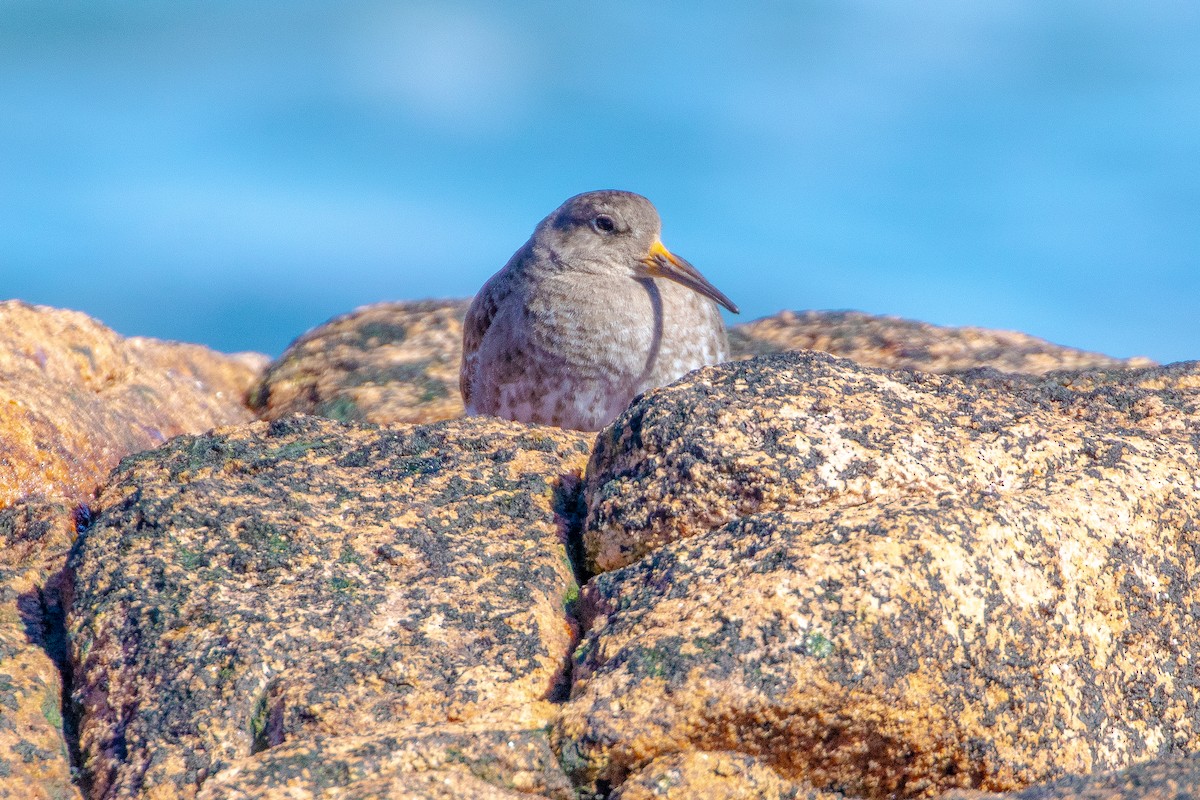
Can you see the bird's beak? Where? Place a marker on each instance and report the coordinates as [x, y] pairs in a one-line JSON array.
[[662, 263]]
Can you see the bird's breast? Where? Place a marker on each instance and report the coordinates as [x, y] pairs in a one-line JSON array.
[[648, 331]]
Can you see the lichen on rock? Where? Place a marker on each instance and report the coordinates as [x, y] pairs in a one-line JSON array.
[[279, 583], [383, 363], [892, 584]]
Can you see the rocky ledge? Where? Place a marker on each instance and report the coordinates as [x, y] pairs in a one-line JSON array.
[[791, 576]]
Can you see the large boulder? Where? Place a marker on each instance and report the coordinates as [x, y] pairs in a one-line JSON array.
[[892, 584], [75, 398], [895, 343], [291, 604], [389, 362]]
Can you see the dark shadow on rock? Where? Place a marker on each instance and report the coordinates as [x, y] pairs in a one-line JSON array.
[[569, 509], [28, 531]]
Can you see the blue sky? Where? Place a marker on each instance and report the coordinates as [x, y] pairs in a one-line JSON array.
[[235, 173]]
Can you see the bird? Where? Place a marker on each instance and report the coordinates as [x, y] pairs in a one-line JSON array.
[[591, 312]]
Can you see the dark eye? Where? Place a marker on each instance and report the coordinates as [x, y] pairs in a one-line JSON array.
[[604, 224]]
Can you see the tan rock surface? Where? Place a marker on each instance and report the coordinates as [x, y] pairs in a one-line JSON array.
[[75, 397], [278, 583], [895, 343], [390, 362], [446, 763], [34, 762], [806, 431], [712, 776], [892, 584], [1176, 779]]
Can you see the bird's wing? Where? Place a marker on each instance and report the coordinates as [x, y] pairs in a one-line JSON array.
[[479, 318]]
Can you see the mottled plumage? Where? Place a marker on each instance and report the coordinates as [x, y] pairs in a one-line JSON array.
[[589, 313]]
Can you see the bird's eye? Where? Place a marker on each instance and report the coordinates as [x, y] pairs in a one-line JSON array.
[[604, 224]]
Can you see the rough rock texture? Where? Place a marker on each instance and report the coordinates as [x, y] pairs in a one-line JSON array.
[[245, 598], [391, 362], [1177, 779], [75, 397], [805, 431], [712, 776], [446, 763], [892, 584], [895, 343], [398, 362], [34, 762]]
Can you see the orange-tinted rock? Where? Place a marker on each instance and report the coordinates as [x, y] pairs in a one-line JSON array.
[[895, 343], [398, 362], [277, 584], [34, 762], [75, 397], [391, 362], [1176, 779], [445, 763], [804, 431], [892, 584], [713, 776]]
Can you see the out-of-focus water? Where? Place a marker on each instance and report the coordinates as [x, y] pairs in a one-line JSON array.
[[234, 173]]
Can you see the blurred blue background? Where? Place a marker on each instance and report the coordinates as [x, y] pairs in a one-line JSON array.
[[234, 172]]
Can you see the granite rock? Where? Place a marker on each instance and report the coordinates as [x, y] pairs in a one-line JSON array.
[[713, 776], [282, 585], [75, 397], [34, 760], [892, 584], [894, 343], [390, 362], [449, 762], [806, 431], [817, 580], [1173, 779]]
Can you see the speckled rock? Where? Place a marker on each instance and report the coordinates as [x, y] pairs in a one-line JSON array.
[[712, 776], [449, 762], [398, 362], [1176, 779], [34, 762], [75, 397], [805, 431], [895, 343], [892, 584], [390, 362], [283, 583]]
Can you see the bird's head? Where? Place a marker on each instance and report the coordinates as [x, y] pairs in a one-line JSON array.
[[618, 232]]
